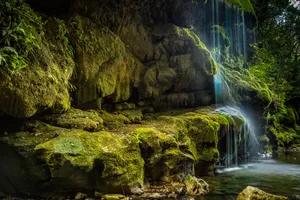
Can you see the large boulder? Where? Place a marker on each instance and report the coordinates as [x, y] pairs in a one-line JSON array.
[[69, 160], [252, 193], [101, 161]]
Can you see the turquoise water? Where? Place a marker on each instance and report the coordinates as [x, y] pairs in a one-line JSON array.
[[280, 175]]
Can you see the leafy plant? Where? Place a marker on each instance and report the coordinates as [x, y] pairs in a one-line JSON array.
[[17, 39]]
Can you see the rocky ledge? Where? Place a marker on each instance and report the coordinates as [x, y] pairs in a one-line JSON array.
[[125, 152]]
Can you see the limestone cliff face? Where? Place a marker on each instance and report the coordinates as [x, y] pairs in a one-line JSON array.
[[126, 56], [105, 52]]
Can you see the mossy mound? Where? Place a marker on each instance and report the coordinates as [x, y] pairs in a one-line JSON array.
[[134, 116], [75, 118], [114, 120], [98, 161]]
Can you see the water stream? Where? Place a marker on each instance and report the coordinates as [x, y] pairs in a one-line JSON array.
[[279, 175]]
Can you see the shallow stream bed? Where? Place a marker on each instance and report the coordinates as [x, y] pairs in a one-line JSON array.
[[280, 175]]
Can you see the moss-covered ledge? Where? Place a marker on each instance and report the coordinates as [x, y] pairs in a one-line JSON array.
[[164, 147]]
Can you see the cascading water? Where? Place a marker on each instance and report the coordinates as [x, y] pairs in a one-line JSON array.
[[234, 29], [237, 142]]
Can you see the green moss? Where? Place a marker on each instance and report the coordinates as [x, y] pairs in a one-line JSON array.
[[104, 67], [175, 158], [201, 54], [113, 120], [122, 162], [155, 139], [186, 145], [209, 154], [50, 66], [240, 80], [75, 118], [113, 197], [202, 129], [198, 130], [135, 116], [40, 133]]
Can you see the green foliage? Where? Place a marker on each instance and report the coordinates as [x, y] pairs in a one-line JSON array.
[[277, 53], [282, 124], [245, 5], [18, 40], [276, 62]]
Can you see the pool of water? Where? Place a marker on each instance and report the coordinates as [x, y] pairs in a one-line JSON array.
[[279, 175]]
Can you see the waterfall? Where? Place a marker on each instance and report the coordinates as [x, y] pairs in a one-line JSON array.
[[228, 23], [237, 141]]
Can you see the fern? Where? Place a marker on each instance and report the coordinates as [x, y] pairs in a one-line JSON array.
[[17, 41], [2, 60]]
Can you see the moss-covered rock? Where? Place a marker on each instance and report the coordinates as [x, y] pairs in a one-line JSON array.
[[183, 41], [188, 77], [163, 158], [165, 146], [197, 133], [114, 197], [100, 161], [157, 79], [75, 118], [114, 120], [134, 116], [255, 193], [74, 160]]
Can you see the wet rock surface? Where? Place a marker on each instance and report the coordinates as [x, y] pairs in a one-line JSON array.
[[255, 193], [122, 158]]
